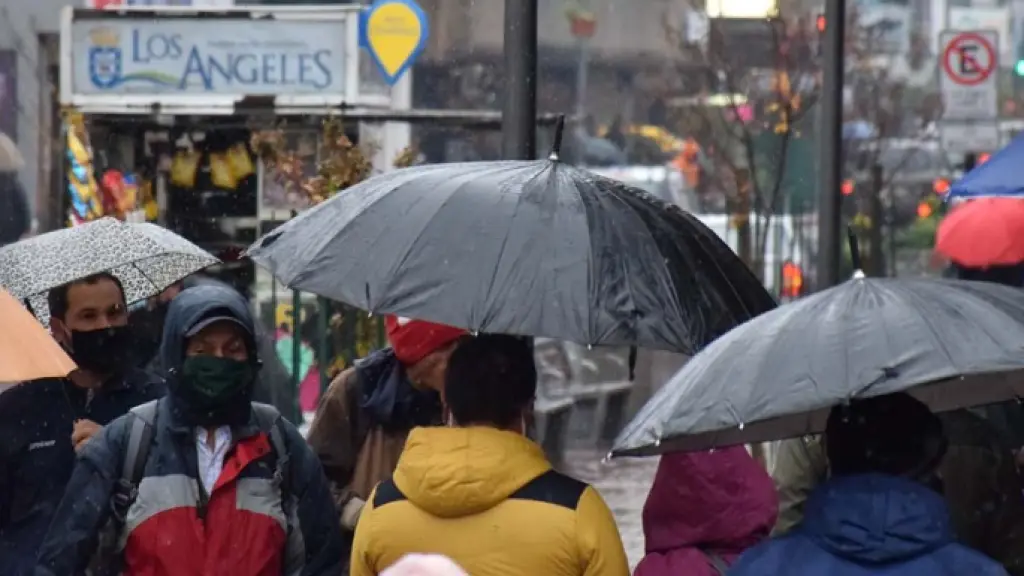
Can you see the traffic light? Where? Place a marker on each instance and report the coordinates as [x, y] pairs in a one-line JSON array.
[[983, 157], [847, 187], [820, 23], [1018, 68]]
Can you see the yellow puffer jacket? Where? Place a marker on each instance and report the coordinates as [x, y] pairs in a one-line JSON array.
[[489, 500]]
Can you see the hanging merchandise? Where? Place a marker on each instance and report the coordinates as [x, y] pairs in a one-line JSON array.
[[112, 189], [221, 174], [240, 161], [184, 167], [83, 192], [148, 200]]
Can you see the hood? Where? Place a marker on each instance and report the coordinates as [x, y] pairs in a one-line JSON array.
[[387, 395], [877, 519], [721, 500], [192, 306], [456, 472]]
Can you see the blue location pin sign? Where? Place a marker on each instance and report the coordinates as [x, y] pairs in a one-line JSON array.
[[395, 33]]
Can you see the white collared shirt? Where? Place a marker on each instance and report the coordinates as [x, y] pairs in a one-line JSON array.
[[211, 460]]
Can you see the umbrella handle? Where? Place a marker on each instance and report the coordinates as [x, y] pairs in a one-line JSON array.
[[851, 237]]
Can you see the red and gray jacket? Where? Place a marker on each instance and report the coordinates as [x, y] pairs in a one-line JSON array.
[[250, 524], [174, 529]]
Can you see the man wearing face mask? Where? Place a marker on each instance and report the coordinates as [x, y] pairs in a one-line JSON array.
[[480, 492], [203, 481], [43, 423], [274, 382]]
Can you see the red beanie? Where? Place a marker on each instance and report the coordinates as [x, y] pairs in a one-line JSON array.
[[414, 340]]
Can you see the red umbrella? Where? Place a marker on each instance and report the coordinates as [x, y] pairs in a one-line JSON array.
[[983, 232]]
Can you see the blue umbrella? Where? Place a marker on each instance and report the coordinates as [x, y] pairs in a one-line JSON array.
[[1000, 176]]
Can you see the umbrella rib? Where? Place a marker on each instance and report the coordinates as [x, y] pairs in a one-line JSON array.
[[931, 328], [504, 241], [676, 306], [412, 245]]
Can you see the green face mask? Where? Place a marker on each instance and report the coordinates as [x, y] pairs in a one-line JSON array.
[[211, 381]]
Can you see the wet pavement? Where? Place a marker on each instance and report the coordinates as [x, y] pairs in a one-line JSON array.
[[624, 484]]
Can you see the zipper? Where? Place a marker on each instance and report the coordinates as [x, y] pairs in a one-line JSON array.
[[203, 503]]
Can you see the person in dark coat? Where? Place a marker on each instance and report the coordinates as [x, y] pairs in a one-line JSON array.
[[274, 384], [882, 511], [223, 490], [43, 423]]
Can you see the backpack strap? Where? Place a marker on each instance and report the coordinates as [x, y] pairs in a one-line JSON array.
[[142, 423], [716, 562], [268, 419]]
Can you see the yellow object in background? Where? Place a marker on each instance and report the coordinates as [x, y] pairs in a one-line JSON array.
[[148, 199], [184, 168], [221, 174], [240, 161]]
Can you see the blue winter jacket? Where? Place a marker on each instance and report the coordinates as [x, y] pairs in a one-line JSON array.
[[869, 524]]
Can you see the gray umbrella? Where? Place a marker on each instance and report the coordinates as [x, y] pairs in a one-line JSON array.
[[951, 343], [533, 248], [144, 257]]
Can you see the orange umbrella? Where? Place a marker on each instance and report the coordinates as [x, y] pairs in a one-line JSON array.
[[27, 352]]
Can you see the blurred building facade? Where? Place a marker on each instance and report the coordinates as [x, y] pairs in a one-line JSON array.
[[29, 32]]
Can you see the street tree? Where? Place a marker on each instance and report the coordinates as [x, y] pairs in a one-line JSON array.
[[758, 81]]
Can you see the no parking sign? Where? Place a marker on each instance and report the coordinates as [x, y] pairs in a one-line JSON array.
[[968, 65], [967, 70]]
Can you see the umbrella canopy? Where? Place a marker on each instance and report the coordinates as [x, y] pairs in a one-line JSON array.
[[535, 248], [144, 257], [778, 375], [1000, 176], [27, 352], [984, 232]]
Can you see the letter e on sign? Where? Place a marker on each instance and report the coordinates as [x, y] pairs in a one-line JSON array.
[[967, 64], [969, 59]]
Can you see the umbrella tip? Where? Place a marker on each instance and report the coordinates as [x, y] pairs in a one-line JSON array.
[[556, 144]]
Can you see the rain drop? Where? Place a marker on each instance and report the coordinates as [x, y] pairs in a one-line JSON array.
[[657, 442], [607, 459], [475, 333], [369, 314], [742, 425], [590, 346]]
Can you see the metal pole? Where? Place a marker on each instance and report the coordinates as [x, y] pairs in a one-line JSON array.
[[829, 214], [876, 252], [582, 66], [519, 110], [297, 374]]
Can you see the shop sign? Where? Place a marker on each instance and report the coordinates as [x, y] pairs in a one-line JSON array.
[[190, 56]]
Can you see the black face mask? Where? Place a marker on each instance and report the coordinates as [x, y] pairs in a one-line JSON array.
[[104, 351], [212, 391]]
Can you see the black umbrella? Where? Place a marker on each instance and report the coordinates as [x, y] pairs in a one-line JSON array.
[[535, 248], [953, 344]]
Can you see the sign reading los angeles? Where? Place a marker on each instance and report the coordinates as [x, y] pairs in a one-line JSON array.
[[207, 56]]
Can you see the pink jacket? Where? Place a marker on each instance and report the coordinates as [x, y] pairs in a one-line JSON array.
[[719, 502]]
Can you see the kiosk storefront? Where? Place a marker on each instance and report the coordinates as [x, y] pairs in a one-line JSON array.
[[168, 100]]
